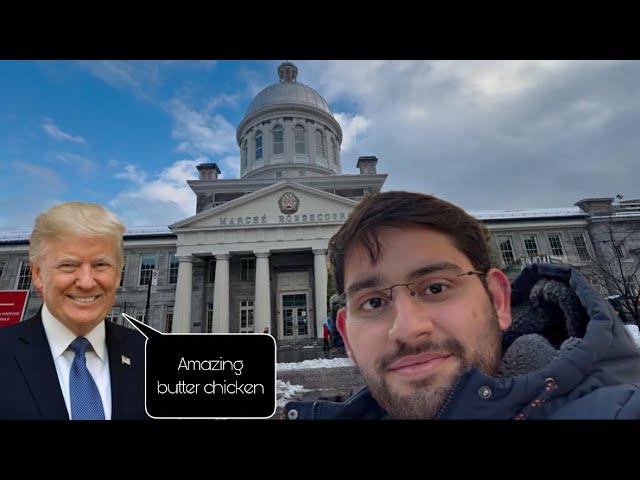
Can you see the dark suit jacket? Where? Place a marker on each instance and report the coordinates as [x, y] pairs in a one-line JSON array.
[[29, 387]]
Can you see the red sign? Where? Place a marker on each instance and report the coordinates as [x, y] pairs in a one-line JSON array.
[[12, 306]]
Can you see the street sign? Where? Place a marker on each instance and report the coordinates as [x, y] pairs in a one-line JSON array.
[[154, 278], [153, 289], [12, 306]]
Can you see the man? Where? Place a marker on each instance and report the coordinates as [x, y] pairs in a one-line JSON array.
[[336, 339], [326, 346], [426, 320], [66, 362]]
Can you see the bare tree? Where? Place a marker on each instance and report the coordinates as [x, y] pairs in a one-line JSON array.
[[616, 263]]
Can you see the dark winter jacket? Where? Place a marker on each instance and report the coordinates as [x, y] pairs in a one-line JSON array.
[[566, 356]]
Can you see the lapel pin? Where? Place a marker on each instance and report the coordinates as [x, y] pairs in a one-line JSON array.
[[126, 360]]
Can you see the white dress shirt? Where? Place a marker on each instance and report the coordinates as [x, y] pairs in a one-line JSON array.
[[59, 337]]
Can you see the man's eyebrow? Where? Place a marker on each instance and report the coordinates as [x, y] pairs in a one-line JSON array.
[[433, 268], [72, 259], [376, 281], [66, 259], [102, 258], [372, 281]]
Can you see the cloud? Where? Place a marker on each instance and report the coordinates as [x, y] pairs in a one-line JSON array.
[[80, 164], [157, 199], [490, 134], [133, 174], [142, 77], [230, 167], [201, 132], [121, 74], [54, 132], [353, 128]]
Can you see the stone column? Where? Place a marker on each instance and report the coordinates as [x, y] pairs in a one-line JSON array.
[[221, 295], [320, 275], [182, 307], [262, 304]]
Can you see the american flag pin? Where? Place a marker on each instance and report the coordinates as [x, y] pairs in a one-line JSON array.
[[126, 360]]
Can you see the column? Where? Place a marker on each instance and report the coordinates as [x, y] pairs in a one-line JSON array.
[[262, 304], [320, 275], [182, 306], [221, 295]]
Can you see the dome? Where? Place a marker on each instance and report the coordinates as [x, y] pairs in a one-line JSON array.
[[288, 91]]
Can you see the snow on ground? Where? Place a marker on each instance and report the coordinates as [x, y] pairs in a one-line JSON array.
[[285, 391], [316, 363]]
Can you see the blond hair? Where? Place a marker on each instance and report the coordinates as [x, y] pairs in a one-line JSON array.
[[76, 218]]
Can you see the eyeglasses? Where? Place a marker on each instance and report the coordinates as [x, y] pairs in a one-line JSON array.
[[434, 287]]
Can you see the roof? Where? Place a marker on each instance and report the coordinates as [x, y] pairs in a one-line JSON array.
[[528, 213], [288, 93], [152, 230]]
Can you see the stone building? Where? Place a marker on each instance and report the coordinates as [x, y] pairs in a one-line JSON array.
[[254, 253]]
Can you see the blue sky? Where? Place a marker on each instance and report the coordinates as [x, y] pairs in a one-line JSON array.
[[483, 134]]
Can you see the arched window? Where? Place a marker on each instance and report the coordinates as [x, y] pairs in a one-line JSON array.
[[321, 149], [244, 153], [258, 139], [301, 142], [278, 140], [334, 150]]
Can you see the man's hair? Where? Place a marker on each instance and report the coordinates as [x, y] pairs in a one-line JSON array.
[[76, 218], [403, 209]]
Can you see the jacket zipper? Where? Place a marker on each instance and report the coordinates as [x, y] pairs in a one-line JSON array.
[[454, 391]]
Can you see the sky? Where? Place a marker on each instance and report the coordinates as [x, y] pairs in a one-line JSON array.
[[481, 134]]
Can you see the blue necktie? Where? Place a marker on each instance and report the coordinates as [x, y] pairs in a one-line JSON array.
[[86, 403]]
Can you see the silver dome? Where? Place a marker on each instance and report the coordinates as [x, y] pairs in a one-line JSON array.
[[288, 92]]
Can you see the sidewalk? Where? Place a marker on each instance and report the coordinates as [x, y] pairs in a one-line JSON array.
[[315, 382]]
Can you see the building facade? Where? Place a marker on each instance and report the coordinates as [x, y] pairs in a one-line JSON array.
[[254, 253]]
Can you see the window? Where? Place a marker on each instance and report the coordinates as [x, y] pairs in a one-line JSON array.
[[531, 246], [212, 271], [556, 245], [244, 153], [278, 140], [334, 150], [321, 148], [173, 269], [24, 278], [278, 174], [114, 315], [168, 319], [124, 265], [248, 269], [246, 317], [258, 139], [147, 265], [581, 246], [506, 251], [301, 143], [209, 317], [138, 313]]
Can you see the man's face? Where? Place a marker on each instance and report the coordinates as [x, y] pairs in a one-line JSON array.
[[78, 277], [412, 348]]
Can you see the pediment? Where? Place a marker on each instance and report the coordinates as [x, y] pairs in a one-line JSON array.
[[285, 203]]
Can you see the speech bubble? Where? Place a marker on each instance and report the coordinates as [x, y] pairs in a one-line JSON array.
[[208, 375]]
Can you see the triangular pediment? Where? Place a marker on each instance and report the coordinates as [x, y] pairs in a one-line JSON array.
[[283, 203]]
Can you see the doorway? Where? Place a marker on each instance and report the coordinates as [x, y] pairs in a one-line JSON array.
[[295, 318]]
